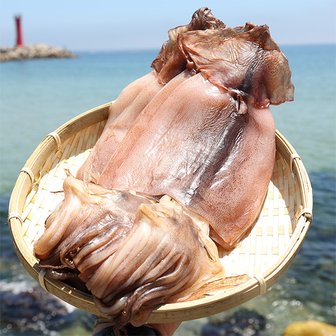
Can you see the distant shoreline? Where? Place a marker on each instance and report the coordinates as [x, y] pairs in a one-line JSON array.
[[40, 51], [32, 52]]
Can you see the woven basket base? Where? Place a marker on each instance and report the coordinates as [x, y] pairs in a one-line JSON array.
[[264, 254]]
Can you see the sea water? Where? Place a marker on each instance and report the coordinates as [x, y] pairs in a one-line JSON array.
[[37, 96]]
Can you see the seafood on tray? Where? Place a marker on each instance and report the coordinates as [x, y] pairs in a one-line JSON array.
[[182, 167]]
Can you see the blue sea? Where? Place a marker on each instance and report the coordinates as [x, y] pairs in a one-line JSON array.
[[37, 96]]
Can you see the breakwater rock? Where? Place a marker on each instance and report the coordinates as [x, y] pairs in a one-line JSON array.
[[243, 322], [33, 51], [29, 310], [33, 310]]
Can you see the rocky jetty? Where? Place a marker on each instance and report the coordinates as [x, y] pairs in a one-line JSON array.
[[33, 51]]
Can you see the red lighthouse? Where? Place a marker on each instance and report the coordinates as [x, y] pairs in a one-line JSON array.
[[19, 39]]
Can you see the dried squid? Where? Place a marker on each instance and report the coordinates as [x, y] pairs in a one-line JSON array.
[[135, 97], [184, 161]]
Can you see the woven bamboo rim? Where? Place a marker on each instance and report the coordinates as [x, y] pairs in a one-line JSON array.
[[265, 254]]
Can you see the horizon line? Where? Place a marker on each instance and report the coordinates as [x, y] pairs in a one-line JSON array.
[[155, 49], [151, 49]]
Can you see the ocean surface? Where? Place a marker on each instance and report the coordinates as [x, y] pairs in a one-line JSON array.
[[38, 96]]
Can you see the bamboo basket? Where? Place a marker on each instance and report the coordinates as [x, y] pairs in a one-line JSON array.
[[264, 255]]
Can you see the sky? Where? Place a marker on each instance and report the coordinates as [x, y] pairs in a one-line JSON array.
[[125, 25]]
